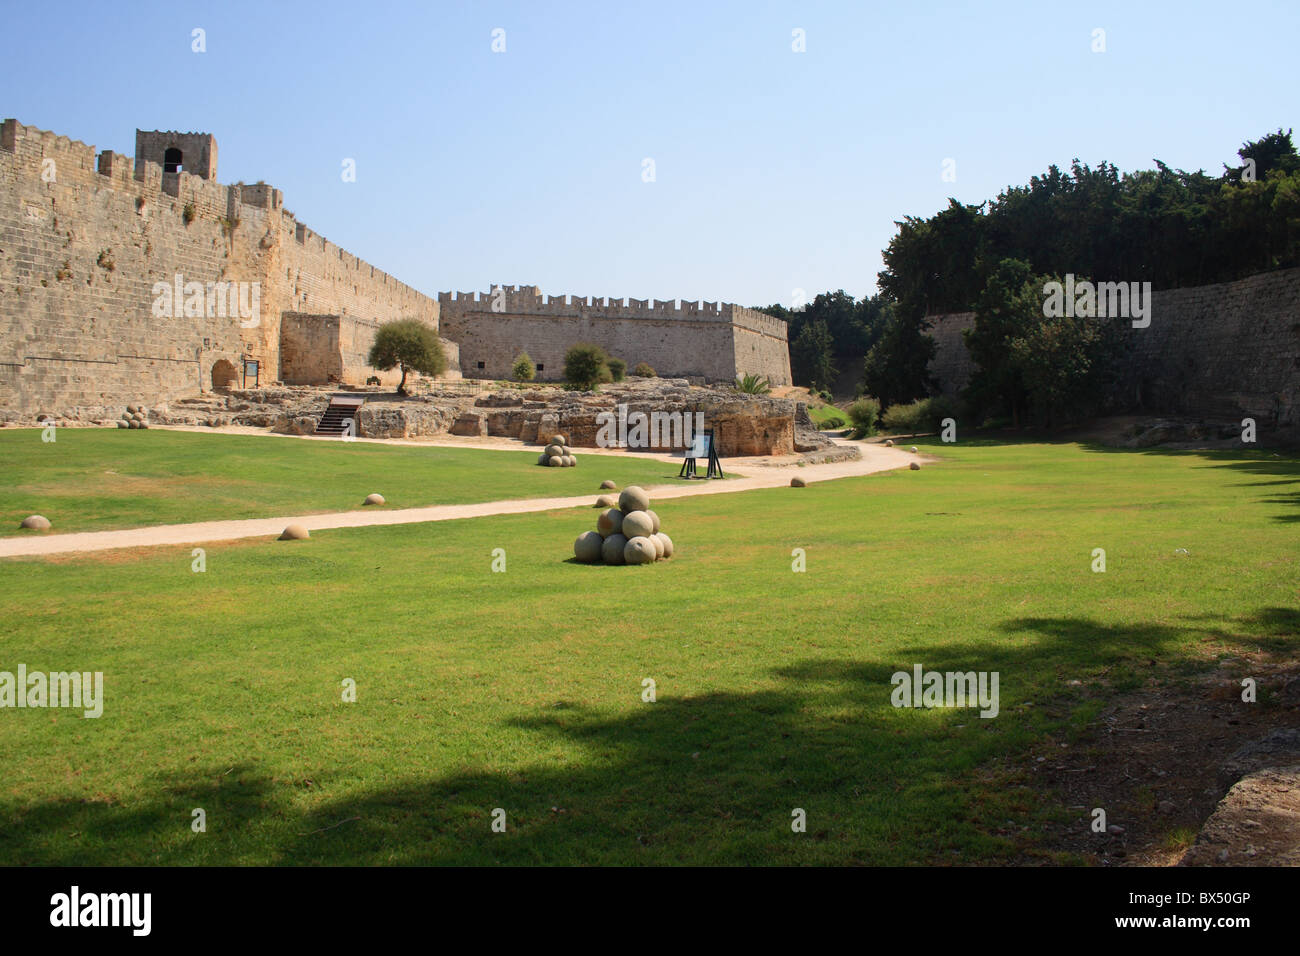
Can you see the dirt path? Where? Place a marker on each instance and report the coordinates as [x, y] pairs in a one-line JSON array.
[[757, 473]]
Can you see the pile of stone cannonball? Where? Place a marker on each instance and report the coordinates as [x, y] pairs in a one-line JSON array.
[[628, 534], [557, 454], [136, 416]]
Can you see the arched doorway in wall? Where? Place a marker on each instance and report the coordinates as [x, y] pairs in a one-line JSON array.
[[173, 161], [224, 375]]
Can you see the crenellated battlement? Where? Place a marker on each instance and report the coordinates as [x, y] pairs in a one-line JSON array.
[[528, 300], [78, 163], [96, 233], [117, 225], [711, 341]]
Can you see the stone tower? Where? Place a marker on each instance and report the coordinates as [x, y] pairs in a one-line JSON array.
[[193, 153]]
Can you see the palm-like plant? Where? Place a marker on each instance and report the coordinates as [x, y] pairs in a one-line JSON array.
[[752, 384]]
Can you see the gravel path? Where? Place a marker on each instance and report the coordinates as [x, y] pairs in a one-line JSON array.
[[757, 473]]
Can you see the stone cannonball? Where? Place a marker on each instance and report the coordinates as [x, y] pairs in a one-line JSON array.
[[634, 499], [612, 549], [610, 521], [667, 543], [638, 524], [587, 547], [639, 550]]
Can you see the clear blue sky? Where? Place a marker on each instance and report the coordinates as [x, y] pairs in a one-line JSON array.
[[775, 170]]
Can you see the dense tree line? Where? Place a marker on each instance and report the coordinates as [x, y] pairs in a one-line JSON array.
[[1165, 226], [831, 335]]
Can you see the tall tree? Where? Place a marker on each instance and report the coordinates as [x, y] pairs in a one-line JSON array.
[[812, 356]]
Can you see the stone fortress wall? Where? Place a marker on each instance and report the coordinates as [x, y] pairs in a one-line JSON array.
[[1226, 350], [84, 237], [704, 341]]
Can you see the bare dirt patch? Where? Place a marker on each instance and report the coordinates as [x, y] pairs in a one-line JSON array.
[[1153, 760]]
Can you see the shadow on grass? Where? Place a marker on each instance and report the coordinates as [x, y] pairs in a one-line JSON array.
[[707, 779]]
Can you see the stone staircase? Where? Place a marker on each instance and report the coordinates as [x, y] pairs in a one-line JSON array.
[[341, 414]]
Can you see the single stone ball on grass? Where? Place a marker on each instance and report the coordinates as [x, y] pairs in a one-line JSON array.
[[667, 542], [587, 548], [654, 521], [554, 450], [36, 523], [606, 501], [912, 449], [889, 443], [639, 550], [374, 500], [797, 482], [612, 550], [295, 532], [659, 546], [634, 498], [915, 466], [637, 524], [608, 485], [610, 521]]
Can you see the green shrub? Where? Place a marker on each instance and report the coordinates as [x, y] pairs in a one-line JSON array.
[[864, 413], [586, 365], [827, 417], [617, 369], [752, 384], [523, 370], [922, 415], [643, 370]]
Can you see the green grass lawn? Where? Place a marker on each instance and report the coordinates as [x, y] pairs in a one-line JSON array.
[[94, 479], [522, 690]]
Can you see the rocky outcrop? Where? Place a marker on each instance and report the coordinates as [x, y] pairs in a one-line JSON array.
[[1256, 824], [405, 419], [470, 422], [745, 425]]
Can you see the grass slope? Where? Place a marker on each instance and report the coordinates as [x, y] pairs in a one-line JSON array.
[[522, 690], [98, 479]]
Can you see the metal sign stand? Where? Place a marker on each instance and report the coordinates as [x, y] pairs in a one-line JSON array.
[[703, 446]]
